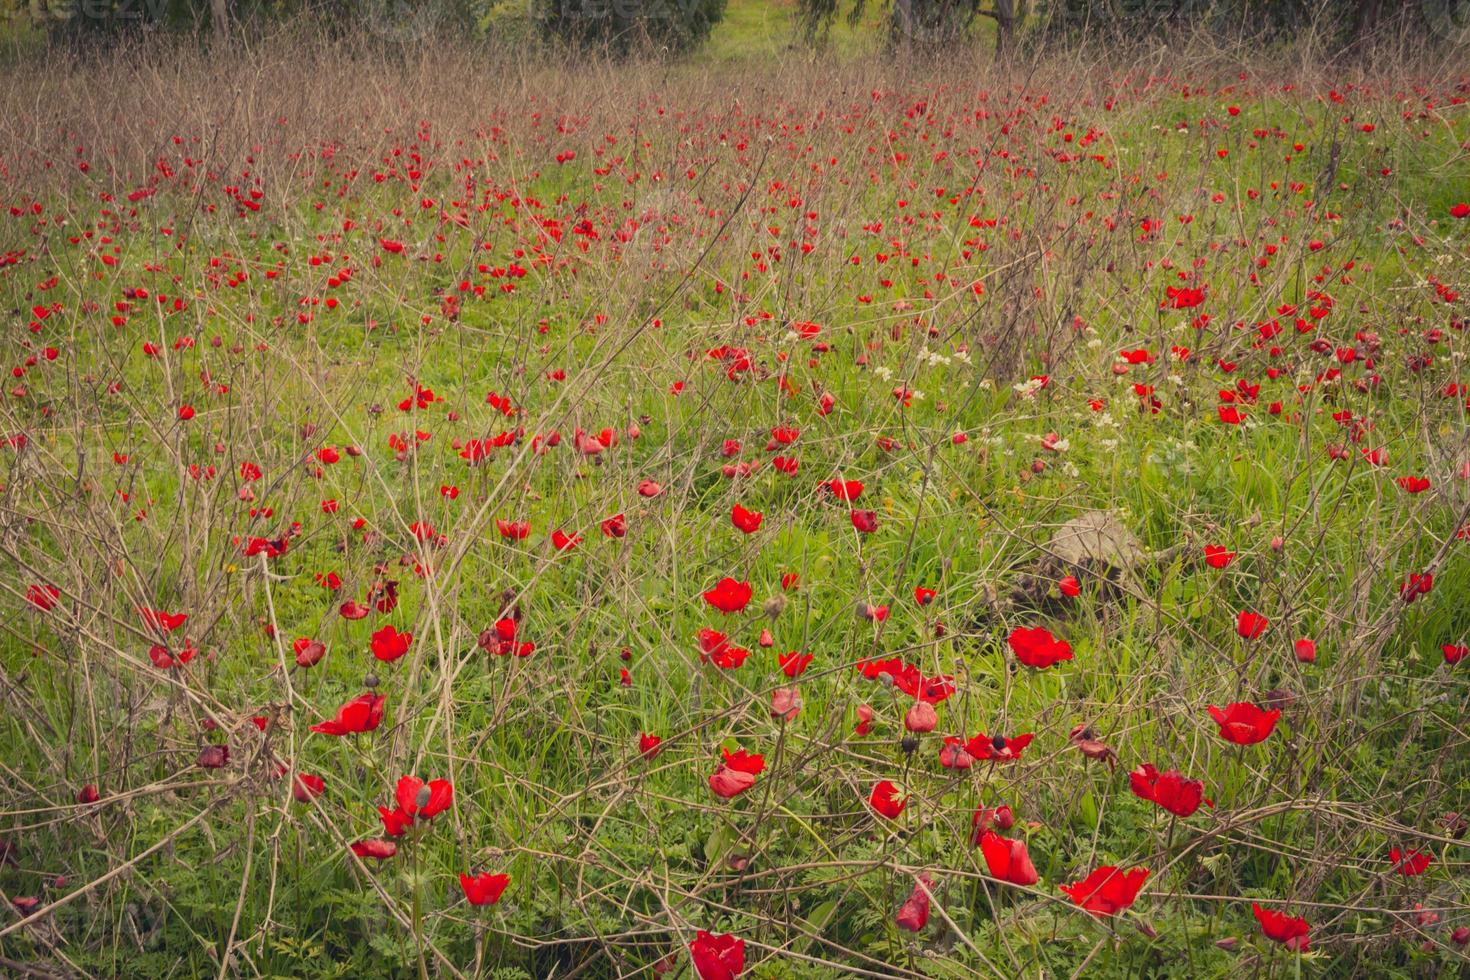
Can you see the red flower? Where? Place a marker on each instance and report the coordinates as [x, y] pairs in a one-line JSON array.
[[1244, 723], [305, 786], [513, 530], [792, 664], [711, 643], [725, 782], [483, 889], [847, 490], [165, 621], [1182, 297], [743, 761], [1008, 860], [214, 756], [163, 659], [952, 754], [1000, 748], [562, 541], [43, 597], [1454, 652], [362, 714], [1251, 625], [1069, 586], [382, 850], [423, 800], [1288, 930], [1413, 484], [1036, 647], [914, 913], [615, 526], [395, 821], [648, 745], [717, 957], [921, 718], [309, 652], [923, 596], [728, 595], [1217, 557], [887, 799], [1107, 891], [737, 773], [1306, 650], [388, 644], [1168, 789], [1002, 816], [865, 521], [1409, 863], [747, 521], [729, 657], [1415, 586]]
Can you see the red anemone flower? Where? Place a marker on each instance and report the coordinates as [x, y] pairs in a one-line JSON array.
[[362, 714], [1036, 647], [1409, 863], [717, 957], [999, 748], [160, 620], [1287, 930], [737, 773], [913, 915], [382, 850], [846, 490], [1217, 557], [513, 530], [1008, 860], [388, 644], [793, 664], [1244, 723], [1168, 789], [728, 595], [1107, 891], [887, 799], [305, 786], [417, 798], [747, 521], [1251, 625], [483, 889]]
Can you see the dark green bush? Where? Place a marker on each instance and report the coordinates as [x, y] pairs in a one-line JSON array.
[[621, 27]]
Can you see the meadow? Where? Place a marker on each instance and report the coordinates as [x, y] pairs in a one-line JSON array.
[[777, 515]]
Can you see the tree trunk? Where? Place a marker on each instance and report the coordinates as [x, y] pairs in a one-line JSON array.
[[1369, 15], [1005, 25], [219, 17]]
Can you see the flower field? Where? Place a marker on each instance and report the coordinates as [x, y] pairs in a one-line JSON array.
[[467, 518]]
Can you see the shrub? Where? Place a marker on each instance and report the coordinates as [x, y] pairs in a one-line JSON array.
[[621, 27]]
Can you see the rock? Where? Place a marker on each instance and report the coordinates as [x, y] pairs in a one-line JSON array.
[[1097, 537]]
